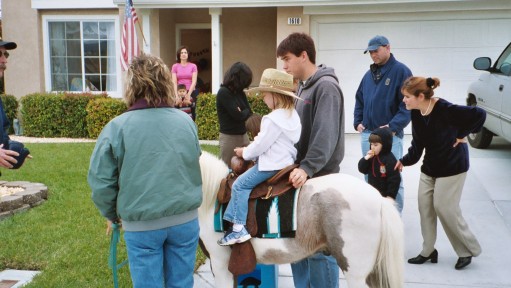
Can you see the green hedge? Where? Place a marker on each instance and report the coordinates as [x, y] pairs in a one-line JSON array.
[[11, 109], [100, 111], [84, 115], [56, 115], [207, 119]]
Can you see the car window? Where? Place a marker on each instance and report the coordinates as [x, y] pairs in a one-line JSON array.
[[505, 58]]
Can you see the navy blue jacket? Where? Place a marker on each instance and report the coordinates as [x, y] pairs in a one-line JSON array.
[[4, 124], [380, 102], [437, 132]]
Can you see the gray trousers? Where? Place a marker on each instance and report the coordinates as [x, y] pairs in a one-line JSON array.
[[440, 197], [228, 143]]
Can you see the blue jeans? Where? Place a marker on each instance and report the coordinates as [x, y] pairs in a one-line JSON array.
[[317, 271], [237, 209], [397, 150], [164, 257]]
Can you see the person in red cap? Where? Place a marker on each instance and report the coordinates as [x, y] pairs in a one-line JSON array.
[[15, 156]]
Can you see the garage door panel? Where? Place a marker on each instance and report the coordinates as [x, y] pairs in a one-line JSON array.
[[444, 48]]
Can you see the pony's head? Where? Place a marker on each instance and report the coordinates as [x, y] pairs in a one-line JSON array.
[[212, 172]]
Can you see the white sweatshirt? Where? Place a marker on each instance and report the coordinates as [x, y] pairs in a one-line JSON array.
[[275, 143]]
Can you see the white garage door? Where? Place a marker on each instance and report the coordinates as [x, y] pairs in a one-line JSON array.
[[437, 48]]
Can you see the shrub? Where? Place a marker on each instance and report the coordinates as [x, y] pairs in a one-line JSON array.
[[11, 109], [56, 115], [42, 114], [207, 119], [74, 124], [100, 111]]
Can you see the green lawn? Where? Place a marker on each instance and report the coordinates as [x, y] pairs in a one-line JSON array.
[[64, 237]]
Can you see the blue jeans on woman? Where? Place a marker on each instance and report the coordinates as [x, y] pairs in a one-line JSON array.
[[164, 257], [237, 209], [397, 150]]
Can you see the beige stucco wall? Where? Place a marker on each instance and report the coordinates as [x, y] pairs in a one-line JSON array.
[[283, 29], [249, 36], [24, 68]]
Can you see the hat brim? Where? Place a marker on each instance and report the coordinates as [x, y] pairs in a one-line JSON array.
[[8, 45], [372, 48], [271, 89]]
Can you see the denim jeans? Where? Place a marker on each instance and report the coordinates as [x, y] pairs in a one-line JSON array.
[[397, 150], [237, 209], [164, 257], [317, 271]]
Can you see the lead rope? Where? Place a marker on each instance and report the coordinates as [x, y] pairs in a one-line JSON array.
[[112, 258]]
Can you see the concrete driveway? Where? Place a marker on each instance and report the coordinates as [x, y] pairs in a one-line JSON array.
[[486, 205]]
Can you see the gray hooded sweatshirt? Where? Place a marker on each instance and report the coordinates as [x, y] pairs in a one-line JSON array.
[[321, 144]]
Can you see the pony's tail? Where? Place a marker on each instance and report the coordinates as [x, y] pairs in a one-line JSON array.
[[389, 267]]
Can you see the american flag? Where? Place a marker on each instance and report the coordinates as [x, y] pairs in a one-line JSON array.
[[129, 43]]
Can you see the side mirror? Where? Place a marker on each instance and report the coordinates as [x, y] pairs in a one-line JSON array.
[[482, 63]]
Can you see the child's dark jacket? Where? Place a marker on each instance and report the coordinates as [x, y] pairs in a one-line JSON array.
[[380, 168]]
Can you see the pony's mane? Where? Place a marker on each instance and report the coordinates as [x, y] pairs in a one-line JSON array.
[[212, 170]]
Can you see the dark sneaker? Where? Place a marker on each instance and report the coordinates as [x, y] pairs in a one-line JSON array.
[[232, 237]]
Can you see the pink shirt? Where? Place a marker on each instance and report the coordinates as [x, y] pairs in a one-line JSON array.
[[184, 74]]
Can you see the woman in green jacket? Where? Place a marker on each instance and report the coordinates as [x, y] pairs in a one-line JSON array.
[[145, 171]]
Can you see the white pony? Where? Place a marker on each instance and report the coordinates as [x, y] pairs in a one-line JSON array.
[[337, 213]]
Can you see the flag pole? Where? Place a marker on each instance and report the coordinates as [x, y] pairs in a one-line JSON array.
[[141, 32], [140, 27]]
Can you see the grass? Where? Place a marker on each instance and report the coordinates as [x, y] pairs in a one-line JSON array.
[[64, 237]]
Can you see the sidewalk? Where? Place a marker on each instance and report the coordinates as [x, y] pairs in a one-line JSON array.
[[486, 205]]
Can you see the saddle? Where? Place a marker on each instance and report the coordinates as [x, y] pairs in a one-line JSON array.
[[242, 259]]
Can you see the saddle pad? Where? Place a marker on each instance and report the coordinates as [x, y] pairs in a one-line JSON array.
[[276, 217]]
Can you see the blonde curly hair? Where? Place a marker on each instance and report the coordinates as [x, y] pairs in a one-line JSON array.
[[148, 77]]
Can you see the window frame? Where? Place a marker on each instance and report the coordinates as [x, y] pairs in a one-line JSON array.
[[81, 18]]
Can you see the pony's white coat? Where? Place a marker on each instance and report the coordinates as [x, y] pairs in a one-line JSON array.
[[337, 213]]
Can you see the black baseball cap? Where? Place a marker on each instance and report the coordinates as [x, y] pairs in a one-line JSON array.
[[8, 45]]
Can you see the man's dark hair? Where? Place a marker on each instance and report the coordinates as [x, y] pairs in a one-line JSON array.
[[295, 44], [181, 86], [238, 77]]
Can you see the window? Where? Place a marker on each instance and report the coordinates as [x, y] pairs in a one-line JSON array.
[[82, 55]]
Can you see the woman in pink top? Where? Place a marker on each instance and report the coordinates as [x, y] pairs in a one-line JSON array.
[[185, 72]]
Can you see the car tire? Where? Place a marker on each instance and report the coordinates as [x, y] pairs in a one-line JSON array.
[[481, 139]]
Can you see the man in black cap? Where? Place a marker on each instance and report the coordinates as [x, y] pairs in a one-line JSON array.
[[7, 157]]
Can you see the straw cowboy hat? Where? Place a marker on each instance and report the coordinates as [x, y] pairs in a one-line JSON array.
[[274, 80]]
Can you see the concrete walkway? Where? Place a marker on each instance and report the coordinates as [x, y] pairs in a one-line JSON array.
[[486, 205]]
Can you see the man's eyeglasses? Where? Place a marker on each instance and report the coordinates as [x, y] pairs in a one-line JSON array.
[[6, 54]]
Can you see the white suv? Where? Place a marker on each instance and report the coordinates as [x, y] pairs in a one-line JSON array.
[[492, 92]]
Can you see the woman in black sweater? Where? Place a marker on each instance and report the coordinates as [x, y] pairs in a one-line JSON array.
[[233, 109], [440, 128]]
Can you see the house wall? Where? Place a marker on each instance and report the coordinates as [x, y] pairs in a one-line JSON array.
[[249, 36], [24, 72], [283, 29]]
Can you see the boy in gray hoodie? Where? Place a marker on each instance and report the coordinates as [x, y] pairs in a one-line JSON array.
[[321, 144]]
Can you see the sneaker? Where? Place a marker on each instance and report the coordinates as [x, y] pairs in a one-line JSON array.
[[232, 237]]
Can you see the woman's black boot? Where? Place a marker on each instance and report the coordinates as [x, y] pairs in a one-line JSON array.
[[421, 259]]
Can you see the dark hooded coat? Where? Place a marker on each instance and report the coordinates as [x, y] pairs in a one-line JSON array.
[[380, 168]]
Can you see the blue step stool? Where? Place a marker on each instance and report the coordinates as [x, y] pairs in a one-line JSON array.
[[263, 276]]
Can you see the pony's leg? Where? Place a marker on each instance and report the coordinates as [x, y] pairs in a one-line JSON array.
[[219, 257]]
